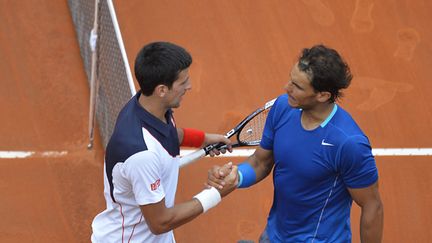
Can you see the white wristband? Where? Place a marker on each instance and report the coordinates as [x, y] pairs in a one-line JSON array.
[[208, 198]]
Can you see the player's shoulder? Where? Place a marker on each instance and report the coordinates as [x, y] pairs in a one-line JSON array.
[[281, 103], [343, 129], [345, 123], [280, 110], [141, 161], [282, 99], [128, 109], [145, 155]]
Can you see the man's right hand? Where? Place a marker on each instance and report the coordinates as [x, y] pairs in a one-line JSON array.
[[224, 178]]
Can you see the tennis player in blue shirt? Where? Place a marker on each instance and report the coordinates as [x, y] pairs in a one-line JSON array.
[[321, 159]]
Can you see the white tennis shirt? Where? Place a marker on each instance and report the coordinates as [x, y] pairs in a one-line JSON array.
[[145, 166]]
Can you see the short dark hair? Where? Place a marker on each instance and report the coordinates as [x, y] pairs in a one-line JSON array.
[[326, 69], [160, 63]]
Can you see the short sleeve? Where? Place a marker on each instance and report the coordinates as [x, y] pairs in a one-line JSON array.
[[357, 164], [278, 110], [269, 127], [268, 132], [143, 171]]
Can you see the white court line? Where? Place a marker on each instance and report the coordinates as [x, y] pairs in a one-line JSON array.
[[235, 153], [29, 154], [375, 152]]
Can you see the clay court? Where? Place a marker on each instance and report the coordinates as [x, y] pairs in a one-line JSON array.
[[242, 52]]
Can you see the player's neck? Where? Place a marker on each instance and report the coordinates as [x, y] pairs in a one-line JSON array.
[[312, 118], [154, 106]]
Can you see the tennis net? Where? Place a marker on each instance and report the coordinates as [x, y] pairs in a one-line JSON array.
[[113, 75]]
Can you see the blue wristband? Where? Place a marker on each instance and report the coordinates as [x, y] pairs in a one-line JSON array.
[[247, 176]]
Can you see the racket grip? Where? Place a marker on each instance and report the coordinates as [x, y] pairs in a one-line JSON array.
[[189, 158], [220, 146], [214, 146]]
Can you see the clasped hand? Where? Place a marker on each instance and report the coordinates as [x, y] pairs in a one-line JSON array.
[[223, 178]]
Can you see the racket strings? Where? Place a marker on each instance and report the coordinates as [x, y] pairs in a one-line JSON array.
[[252, 131]]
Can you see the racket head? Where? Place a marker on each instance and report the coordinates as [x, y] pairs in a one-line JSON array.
[[249, 131], [250, 134]]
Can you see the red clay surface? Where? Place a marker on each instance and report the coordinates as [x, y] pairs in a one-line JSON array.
[[242, 53]]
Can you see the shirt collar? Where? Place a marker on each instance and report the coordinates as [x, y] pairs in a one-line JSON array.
[[327, 120], [150, 120]]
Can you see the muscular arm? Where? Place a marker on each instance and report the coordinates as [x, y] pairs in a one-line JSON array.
[[372, 213], [161, 219], [262, 162]]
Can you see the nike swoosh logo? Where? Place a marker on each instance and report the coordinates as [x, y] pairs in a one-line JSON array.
[[326, 144]]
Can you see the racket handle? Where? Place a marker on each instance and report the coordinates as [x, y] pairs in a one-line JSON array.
[[217, 146], [234, 145], [192, 157]]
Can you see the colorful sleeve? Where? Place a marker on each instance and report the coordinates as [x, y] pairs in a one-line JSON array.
[[357, 164], [144, 173]]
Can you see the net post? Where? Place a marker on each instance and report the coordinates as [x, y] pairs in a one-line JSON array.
[[94, 84], [112, 85]]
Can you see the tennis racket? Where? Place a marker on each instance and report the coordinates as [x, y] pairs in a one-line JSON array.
[[248, 133]]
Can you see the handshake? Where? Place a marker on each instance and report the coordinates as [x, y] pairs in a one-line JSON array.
[[224, 178]]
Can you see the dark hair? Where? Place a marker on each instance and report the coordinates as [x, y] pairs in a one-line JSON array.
[[326, 69], [160, 63]]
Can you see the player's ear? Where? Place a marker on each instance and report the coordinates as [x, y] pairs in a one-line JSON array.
[[161, 90], [324, 96]]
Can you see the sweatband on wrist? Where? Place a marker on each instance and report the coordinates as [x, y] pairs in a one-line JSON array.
[[208, 198], [192, 138], [246, 174]]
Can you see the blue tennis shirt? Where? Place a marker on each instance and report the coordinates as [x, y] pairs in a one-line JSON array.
[[312, 171]]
